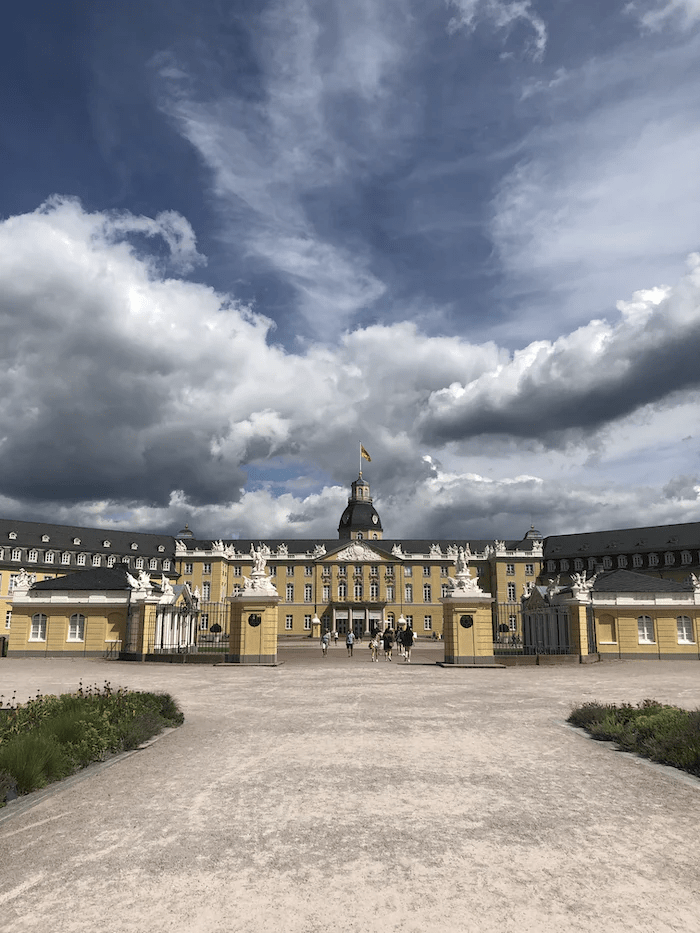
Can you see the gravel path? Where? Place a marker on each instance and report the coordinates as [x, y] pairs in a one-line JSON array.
[[341, 795]]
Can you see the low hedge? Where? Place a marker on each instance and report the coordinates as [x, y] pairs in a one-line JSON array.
[[666, 734], [51, 737]]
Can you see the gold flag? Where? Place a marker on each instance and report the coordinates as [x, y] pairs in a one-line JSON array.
[[364, 453]]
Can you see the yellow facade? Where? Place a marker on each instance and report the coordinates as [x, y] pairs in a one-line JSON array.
[[98, 632], [618, 632]]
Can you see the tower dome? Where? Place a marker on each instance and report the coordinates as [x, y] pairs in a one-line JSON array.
[[360, 518]]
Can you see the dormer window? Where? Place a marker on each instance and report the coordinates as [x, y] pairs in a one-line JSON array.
[[80, 560], [76, 540], [12, 536], [106, 544], [45, 539], [16, 553], [33, 556], [134, 546], [161, 548]]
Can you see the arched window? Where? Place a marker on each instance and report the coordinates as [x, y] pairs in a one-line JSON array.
[[357, 591], [111, 560], [153, 564], [607, 562], [80, 560], [139, 563], [48, 557], [76, 627], [686, 557], [622, 561], [342, 591], [38, 629], [33, 556], [645, 630], [96, 560], [16, 553], [359, 536], [685, 631]]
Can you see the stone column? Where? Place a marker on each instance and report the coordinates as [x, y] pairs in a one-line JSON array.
[[467, 629]]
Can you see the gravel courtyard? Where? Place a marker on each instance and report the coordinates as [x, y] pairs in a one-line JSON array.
[[340, 795]]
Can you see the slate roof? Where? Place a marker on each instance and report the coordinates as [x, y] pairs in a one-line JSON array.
[[624, 541], [409, 546], [625, 581], [97, 578], [29, 534]]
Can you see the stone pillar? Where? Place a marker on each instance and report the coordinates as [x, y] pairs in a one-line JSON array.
[[467, 628], [253, 638], [578, 626]]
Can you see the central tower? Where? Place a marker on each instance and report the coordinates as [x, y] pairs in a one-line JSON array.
[[360, 520]]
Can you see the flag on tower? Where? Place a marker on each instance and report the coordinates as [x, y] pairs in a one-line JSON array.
[[364, 453]]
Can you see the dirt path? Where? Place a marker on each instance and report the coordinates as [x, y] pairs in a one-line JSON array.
[[361, 797]]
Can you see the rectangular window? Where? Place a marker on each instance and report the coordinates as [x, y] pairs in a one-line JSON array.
[[513, 623], [373, 570], [206, 568], [685, 631], [272, 569], [342, 570], [111, 560], [529, 570], [204, 621], [8, 619], [290, 570], [564, 564], [578, 564], [153, 564], [96, 560], [16, 553], [33, 556], [11, 585], [409, 621], [637, 560], [357, 591], [48, 557], [390, 570], [289, 623], [206, 591], [189, 568], [408, 571], [374, 591], [427, 623], [653, 560], [511, 592], [139, 563], [445, 590], [426, 570], [290, 592], [510, 569], [236, 589], [65, 558], [621, 561], [669, 558], [390, 594], [237, 570], [308, 593], [307, 623], [645, 630], [427, 593], [166, 563], [326, 593], [342, 591], [408, 593], [444, 571], [686, 557], [308, 570]]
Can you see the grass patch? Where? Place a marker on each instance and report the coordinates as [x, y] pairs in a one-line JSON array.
[[51, 737], [666, 734]]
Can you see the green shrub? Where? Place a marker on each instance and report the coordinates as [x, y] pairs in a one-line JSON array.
[[48, 738], [661, 733]]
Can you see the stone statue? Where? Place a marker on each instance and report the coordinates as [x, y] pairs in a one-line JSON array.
[[580, 586], [319, 550], [180, 546], [282, 550], [435, 550], [396, 551], [259, 559], [23, 580], [166, 586]]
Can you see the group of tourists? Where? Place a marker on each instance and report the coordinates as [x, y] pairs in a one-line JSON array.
[[404, 638]]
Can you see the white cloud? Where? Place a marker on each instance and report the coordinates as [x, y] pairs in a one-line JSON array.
[[134, 398], [502, 14], [268, 155], [602, 200], [656, 14]]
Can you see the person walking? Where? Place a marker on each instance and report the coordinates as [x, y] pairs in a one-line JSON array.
[[325, 641], [335, 635], [408, 639], [388, 640], [349, 642]]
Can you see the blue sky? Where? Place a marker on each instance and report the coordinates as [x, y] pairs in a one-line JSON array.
[[237, 238]]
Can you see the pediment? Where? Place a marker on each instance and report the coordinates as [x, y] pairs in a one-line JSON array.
[[356, 552]]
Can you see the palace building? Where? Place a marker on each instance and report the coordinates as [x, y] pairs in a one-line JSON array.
[[358, 580]]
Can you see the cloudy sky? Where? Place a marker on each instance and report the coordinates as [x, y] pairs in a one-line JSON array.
[[238, 237]]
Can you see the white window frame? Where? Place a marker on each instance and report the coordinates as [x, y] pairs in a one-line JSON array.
[[96, 560], [166, 565], [530, 570], [684, 628], [65, 557], [153, 564], [427, 593], [408, 593], [326, 593], [48, 557], [76, 627], [358, 591], [645, 630], [308, 593], [427, 623], [189, 568], [637, 560], [374, 590], [408, 571], [512, 594], [16, 553], [206, 568], [139, 563], [206, 590], [308, 570], [289, 593], [342, 590], [8, 618], [288, 623], [307, 623], [510, 570], [111, 560], [33, 556], [37, 631], [390, 593]]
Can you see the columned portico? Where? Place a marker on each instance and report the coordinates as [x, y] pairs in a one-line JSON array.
[[362, 617]]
